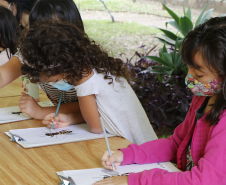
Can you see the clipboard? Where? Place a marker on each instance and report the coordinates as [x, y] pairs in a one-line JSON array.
[[41, 136], [90, 176]]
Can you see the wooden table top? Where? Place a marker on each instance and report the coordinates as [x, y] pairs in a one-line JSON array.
[[14, 89], [38, 166]]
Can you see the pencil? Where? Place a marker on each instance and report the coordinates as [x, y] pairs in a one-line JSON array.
[[106, 139], [58, 107]]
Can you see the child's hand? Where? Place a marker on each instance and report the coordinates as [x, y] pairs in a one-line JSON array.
[[119, 180], [61, 120], [116, 158], [28, 105]]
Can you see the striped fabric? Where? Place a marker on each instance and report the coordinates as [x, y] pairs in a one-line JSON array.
[[54, 94]]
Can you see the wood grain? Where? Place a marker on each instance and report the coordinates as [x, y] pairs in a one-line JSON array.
[[38, 166], [14, 89], [13, 101]]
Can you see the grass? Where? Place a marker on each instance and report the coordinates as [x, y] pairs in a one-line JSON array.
[[125, 6], [119, 37]]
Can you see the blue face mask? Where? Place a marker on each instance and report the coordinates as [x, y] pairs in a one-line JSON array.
[[62, 85]]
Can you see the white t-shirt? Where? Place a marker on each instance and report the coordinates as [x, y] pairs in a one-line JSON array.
[[119, 107]]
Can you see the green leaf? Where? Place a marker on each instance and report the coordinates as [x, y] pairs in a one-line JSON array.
[[169, 34], [165, 42], [188, 14], [179, 43], [185, 69], [162, 35], [164, 68], [200, 16], [172, 14], [167, 58], [160, 53], [174, 24], [206, 16], [160, 77], [161, 71], [184, 11], [178, 60], [158, 60], [185, 25], [164, 50]]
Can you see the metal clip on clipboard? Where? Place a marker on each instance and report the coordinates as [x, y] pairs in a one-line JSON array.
[[66, 180], [16, 138]]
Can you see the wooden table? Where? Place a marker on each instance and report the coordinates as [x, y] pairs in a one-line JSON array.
[[14, 89], [38, 166]]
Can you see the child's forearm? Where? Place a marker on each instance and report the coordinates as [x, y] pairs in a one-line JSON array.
[[10, 71], [71, 109]]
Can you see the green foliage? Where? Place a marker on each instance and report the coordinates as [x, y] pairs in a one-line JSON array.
[[169, 63], [182, 24]]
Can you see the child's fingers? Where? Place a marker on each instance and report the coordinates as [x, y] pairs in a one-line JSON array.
[[49, 117], [111, 159], [105, 156], [46, 122]]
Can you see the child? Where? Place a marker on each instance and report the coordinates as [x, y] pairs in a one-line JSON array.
[[198, 144], [55, 51], [43, 10], [8, 33], [20, 9]]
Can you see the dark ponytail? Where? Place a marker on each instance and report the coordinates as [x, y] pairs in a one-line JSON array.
[[8, 31]]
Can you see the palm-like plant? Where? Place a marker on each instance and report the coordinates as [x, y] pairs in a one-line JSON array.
[[182, 24], [170, 63]]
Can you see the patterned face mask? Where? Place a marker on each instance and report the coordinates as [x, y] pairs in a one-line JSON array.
[[203, 89]]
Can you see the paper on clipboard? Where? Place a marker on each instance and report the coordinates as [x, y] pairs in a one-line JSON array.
[[6, 115], [90, 176], [41, 136]]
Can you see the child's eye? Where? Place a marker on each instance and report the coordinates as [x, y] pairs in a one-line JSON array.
[[199, 76]]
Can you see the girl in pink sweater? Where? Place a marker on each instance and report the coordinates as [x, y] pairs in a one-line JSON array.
[[198, 145]]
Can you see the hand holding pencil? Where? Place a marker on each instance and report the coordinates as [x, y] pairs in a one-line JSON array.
[[106, 140], [116, 158], [58, 107]]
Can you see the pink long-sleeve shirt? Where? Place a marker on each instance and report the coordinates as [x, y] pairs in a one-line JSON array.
[[208, 152]]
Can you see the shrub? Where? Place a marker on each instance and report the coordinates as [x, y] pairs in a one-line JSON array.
[[166, 102]]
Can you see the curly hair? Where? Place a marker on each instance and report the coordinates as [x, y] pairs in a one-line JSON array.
[[54, 47]]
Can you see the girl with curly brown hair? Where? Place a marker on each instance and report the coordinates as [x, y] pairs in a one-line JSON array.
[[56, 51], [43, 10]]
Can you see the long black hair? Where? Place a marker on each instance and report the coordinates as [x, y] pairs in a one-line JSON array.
[[209, 39], [65, 10], [8, 31], [23, 6]]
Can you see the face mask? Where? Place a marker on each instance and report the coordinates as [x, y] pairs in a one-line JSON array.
[[62, 85], [203, 89]]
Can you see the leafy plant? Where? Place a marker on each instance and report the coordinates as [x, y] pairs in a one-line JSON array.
[[169, 63], [165, 103], [182, 24]]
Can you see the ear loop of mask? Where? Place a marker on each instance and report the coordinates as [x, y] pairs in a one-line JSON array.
[[9, 5]]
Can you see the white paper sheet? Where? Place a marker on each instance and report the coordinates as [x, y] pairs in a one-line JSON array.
[[6, 115], [90, 176], [41, 136]]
